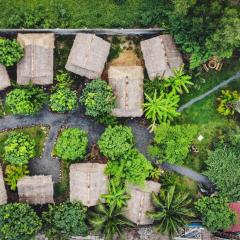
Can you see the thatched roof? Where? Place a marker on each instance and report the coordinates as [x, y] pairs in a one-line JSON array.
[[87, 182], [140, 202], [88, 55], [161, 56], [3, 192], [35, 189], [37, 64], [127, 84], [4, 78]]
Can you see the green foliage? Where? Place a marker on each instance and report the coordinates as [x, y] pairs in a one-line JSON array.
[[155, 174], [171, 143], [109, 221], [227, 101], [18, 221], [63, 80], [116, 141], [215, 213], [97, 98], [72, 144], [116, 196], [133, 168], [19, 148], [152, 86], [162, 108], [10, 52], [14, 173], [172, 211], [26, 101], [65, 220]]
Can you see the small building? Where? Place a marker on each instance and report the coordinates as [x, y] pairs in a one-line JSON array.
[[235, 207], [88, 55], [141, 202], [87, 182], [127, 84], [35, 189], [4, 78], [37, 64], [3, 192], [161, 56]]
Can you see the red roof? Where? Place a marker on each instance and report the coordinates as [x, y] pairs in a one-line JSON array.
[[235, 207]]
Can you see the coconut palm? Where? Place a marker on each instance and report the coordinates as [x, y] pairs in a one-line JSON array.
[[109, 221], [172, 211]]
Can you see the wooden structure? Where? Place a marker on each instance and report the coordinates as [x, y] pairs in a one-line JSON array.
[[3, 192], [37, 64], [127, 84], [4, 78], [87, 182], [88, 55]]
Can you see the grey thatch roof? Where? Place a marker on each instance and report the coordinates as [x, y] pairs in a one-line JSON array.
[[87, 182], [88, 55], [161, 56], [37, 64], [35, 189], [140, 202], [3, 192], [127, 84], [4, 78]]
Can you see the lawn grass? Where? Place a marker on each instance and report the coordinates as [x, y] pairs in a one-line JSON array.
[[38, 133]]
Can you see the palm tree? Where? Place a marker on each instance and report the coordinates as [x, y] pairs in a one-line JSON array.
[[109, 221], [172, 211]]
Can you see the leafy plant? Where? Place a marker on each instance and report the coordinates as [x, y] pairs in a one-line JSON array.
[[171, 143], [116, 141], [26, 101], [227, 101], [97, 98], [10, 52], [18, 221], [14, 173], [155, 174], [215, 213], [108, 221], [152, 86], [161, 109], [19, 148], [65, 220], [72, 144], [172, 211]]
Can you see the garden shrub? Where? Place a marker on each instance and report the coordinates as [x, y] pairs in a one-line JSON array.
[[19, 148], [26, 101], [65, 220], [215, 213], [18, 221], [171, 143], [14, 173], [116, 141], [97, 98], [10, 52], [72, 144]]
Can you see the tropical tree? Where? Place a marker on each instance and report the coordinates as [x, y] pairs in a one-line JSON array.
[[172, 211], [109, 221]]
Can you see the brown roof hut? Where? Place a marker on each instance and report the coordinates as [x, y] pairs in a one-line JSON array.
[[3, 192], [127, 84], [37, 64], [140, 202], [161, 56], [88, 55], [87, 182], [4, 78], [35, 189]]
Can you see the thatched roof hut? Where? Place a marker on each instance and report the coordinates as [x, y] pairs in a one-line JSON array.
[[3, 192], [87, 182], [140, 202], [4, 78], [127, 84], [35, 189], [161, 56], [88, 55], [37, 64]]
